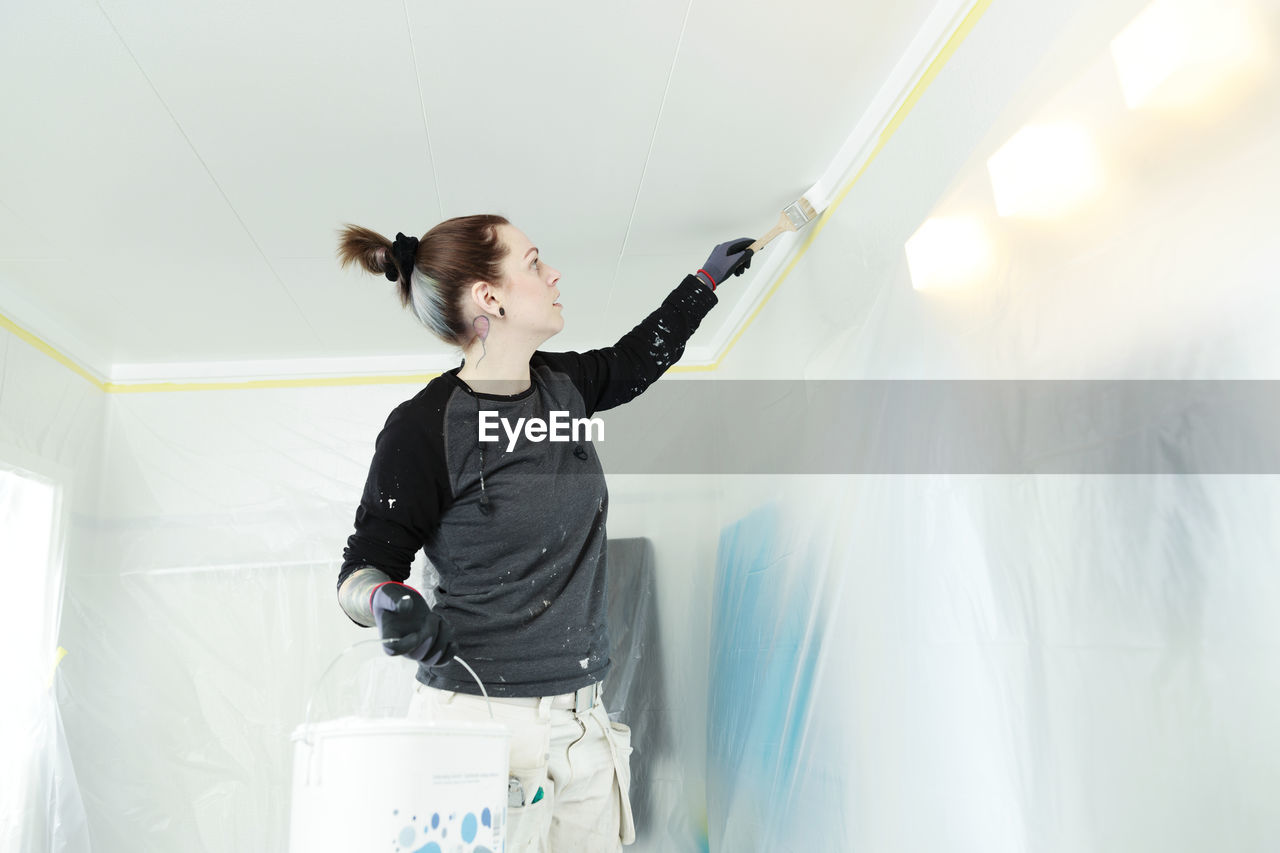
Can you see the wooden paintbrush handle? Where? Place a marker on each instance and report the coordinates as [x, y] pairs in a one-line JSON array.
[[784, 224]]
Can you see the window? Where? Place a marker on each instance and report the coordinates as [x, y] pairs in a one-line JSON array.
[[31, 578]]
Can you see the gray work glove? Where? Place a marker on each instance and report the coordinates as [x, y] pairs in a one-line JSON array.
[[402, 616], [727, 259]]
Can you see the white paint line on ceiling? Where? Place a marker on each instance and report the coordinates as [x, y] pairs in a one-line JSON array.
[[204, 155]]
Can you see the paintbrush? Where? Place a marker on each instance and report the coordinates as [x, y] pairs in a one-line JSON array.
[[794, 216]]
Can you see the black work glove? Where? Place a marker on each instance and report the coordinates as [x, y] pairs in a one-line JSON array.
[[416, 632], [731, 258]]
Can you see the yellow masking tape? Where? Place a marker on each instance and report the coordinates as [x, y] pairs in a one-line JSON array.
[[62, 653], [6, 323], [315, 382], [961, 32]]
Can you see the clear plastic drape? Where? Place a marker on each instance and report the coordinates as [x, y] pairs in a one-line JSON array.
[[852, 661]]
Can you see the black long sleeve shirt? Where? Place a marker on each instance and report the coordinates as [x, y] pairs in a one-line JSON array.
[[522, 585]]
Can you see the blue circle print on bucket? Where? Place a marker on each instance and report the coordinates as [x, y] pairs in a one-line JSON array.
[[433, 834]]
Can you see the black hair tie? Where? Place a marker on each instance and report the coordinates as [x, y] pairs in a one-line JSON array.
[[404, 252]]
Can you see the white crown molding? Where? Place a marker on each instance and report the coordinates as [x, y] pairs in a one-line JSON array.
[[282, 369], [941, 24], [932, 37], [39, 324]]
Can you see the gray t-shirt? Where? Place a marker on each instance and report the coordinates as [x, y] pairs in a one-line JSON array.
[[521, 560]]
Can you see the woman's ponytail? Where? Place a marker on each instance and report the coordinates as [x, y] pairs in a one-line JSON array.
[[446, 262]]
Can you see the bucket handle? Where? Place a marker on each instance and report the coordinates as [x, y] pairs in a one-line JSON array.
[[306, 726]]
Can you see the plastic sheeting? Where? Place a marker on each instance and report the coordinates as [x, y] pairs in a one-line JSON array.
[[930, 662], [222, 665], [997, 664], [51, 429], [200, 630], [1000, 663]]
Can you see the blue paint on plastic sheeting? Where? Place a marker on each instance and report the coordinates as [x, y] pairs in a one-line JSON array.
[[766, 636]]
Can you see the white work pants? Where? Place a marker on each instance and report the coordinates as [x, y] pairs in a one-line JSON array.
[[580, 761]]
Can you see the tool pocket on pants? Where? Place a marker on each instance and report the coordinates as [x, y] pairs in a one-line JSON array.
[[620, 743], [528, 826]]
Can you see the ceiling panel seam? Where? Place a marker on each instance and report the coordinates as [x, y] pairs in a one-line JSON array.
[[653, 137], [969, 13], [959, 24], [422, 104], [196, 153]]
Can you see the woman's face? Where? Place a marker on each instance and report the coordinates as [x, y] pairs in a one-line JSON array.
[[530, 291]]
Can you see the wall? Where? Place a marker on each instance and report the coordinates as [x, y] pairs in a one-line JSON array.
[[51, 425], [206, 614], [857, 660], [1017, 661]]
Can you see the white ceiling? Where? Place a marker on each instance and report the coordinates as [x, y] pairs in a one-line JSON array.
[[172, 175]]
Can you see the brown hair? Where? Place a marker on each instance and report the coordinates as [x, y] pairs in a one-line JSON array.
[[451, 257]]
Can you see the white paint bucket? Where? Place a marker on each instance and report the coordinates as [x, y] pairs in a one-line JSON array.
[[399, 786]]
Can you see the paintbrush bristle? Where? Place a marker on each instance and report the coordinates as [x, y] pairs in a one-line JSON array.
[[799, 213]]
